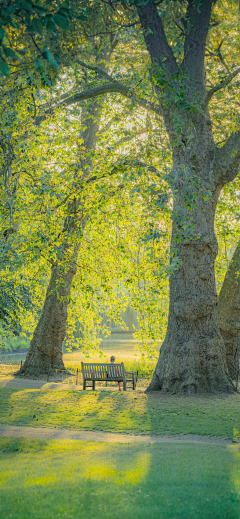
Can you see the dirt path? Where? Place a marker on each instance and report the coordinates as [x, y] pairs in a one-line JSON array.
[[43, 433]]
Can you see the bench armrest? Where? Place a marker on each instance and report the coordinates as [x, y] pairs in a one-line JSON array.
[[132, 373]]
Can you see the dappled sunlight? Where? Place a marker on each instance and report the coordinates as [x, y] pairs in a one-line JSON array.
[[91, 410], [44, 481], [131, 471], [88, 461], [121, 412], [7, 476]]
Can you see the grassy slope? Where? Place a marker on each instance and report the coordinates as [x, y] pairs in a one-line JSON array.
[[122, 412], [56, 479]]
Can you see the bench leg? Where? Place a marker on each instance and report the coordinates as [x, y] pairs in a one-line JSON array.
[[93, 385], [84, 385], [134, 382]]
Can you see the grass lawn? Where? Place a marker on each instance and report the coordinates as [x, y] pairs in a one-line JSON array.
[[48, 479], [130, 412]]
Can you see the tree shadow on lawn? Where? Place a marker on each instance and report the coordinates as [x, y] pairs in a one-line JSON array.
[[48, 479], [129, 413]]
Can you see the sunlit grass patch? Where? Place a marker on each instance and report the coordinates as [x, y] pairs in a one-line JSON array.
[[8, 369], [126, 412], [46, 479]]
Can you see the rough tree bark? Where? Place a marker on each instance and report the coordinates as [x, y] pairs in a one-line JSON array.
[[192, 358], [45, 351], [229, 314]]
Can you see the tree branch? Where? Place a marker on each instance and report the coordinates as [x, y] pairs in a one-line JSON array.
[[125, 163], [196, 23], [56, 100], [82, 183], [129, 138], [97, 70], [141, 164], [221, 85], [155, 37], [227, 159], [95, 92]]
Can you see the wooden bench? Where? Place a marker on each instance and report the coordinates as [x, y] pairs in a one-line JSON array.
[[92, 372]]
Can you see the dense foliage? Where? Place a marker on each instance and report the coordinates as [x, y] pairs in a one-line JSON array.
[[57, 56]]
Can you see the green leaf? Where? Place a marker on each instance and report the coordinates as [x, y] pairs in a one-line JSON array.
[[12, 8], [51, 59], [38, 64], [15, 25], [61, 22], [27, 5], [50, 26], [57, 59], [10, 53], [2, 33], [5, 13], [40, 10], [63, 11], [37, 26], [4, 71], [82, 17]]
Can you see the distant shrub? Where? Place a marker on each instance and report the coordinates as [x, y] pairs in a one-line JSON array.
[[16, 343]]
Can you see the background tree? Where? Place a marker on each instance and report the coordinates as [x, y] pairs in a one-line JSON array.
[[45, 353]]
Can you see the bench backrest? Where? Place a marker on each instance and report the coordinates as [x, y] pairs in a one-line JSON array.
[[103, 371]]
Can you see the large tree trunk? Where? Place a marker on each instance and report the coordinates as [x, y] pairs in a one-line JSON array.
[[192, 357], [229, 314], [45, 352]]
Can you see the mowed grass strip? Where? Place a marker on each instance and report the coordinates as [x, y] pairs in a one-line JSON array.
[[130, 412], [45, 479]]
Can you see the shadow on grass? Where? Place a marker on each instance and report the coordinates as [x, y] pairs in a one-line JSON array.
[[125, 412]]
